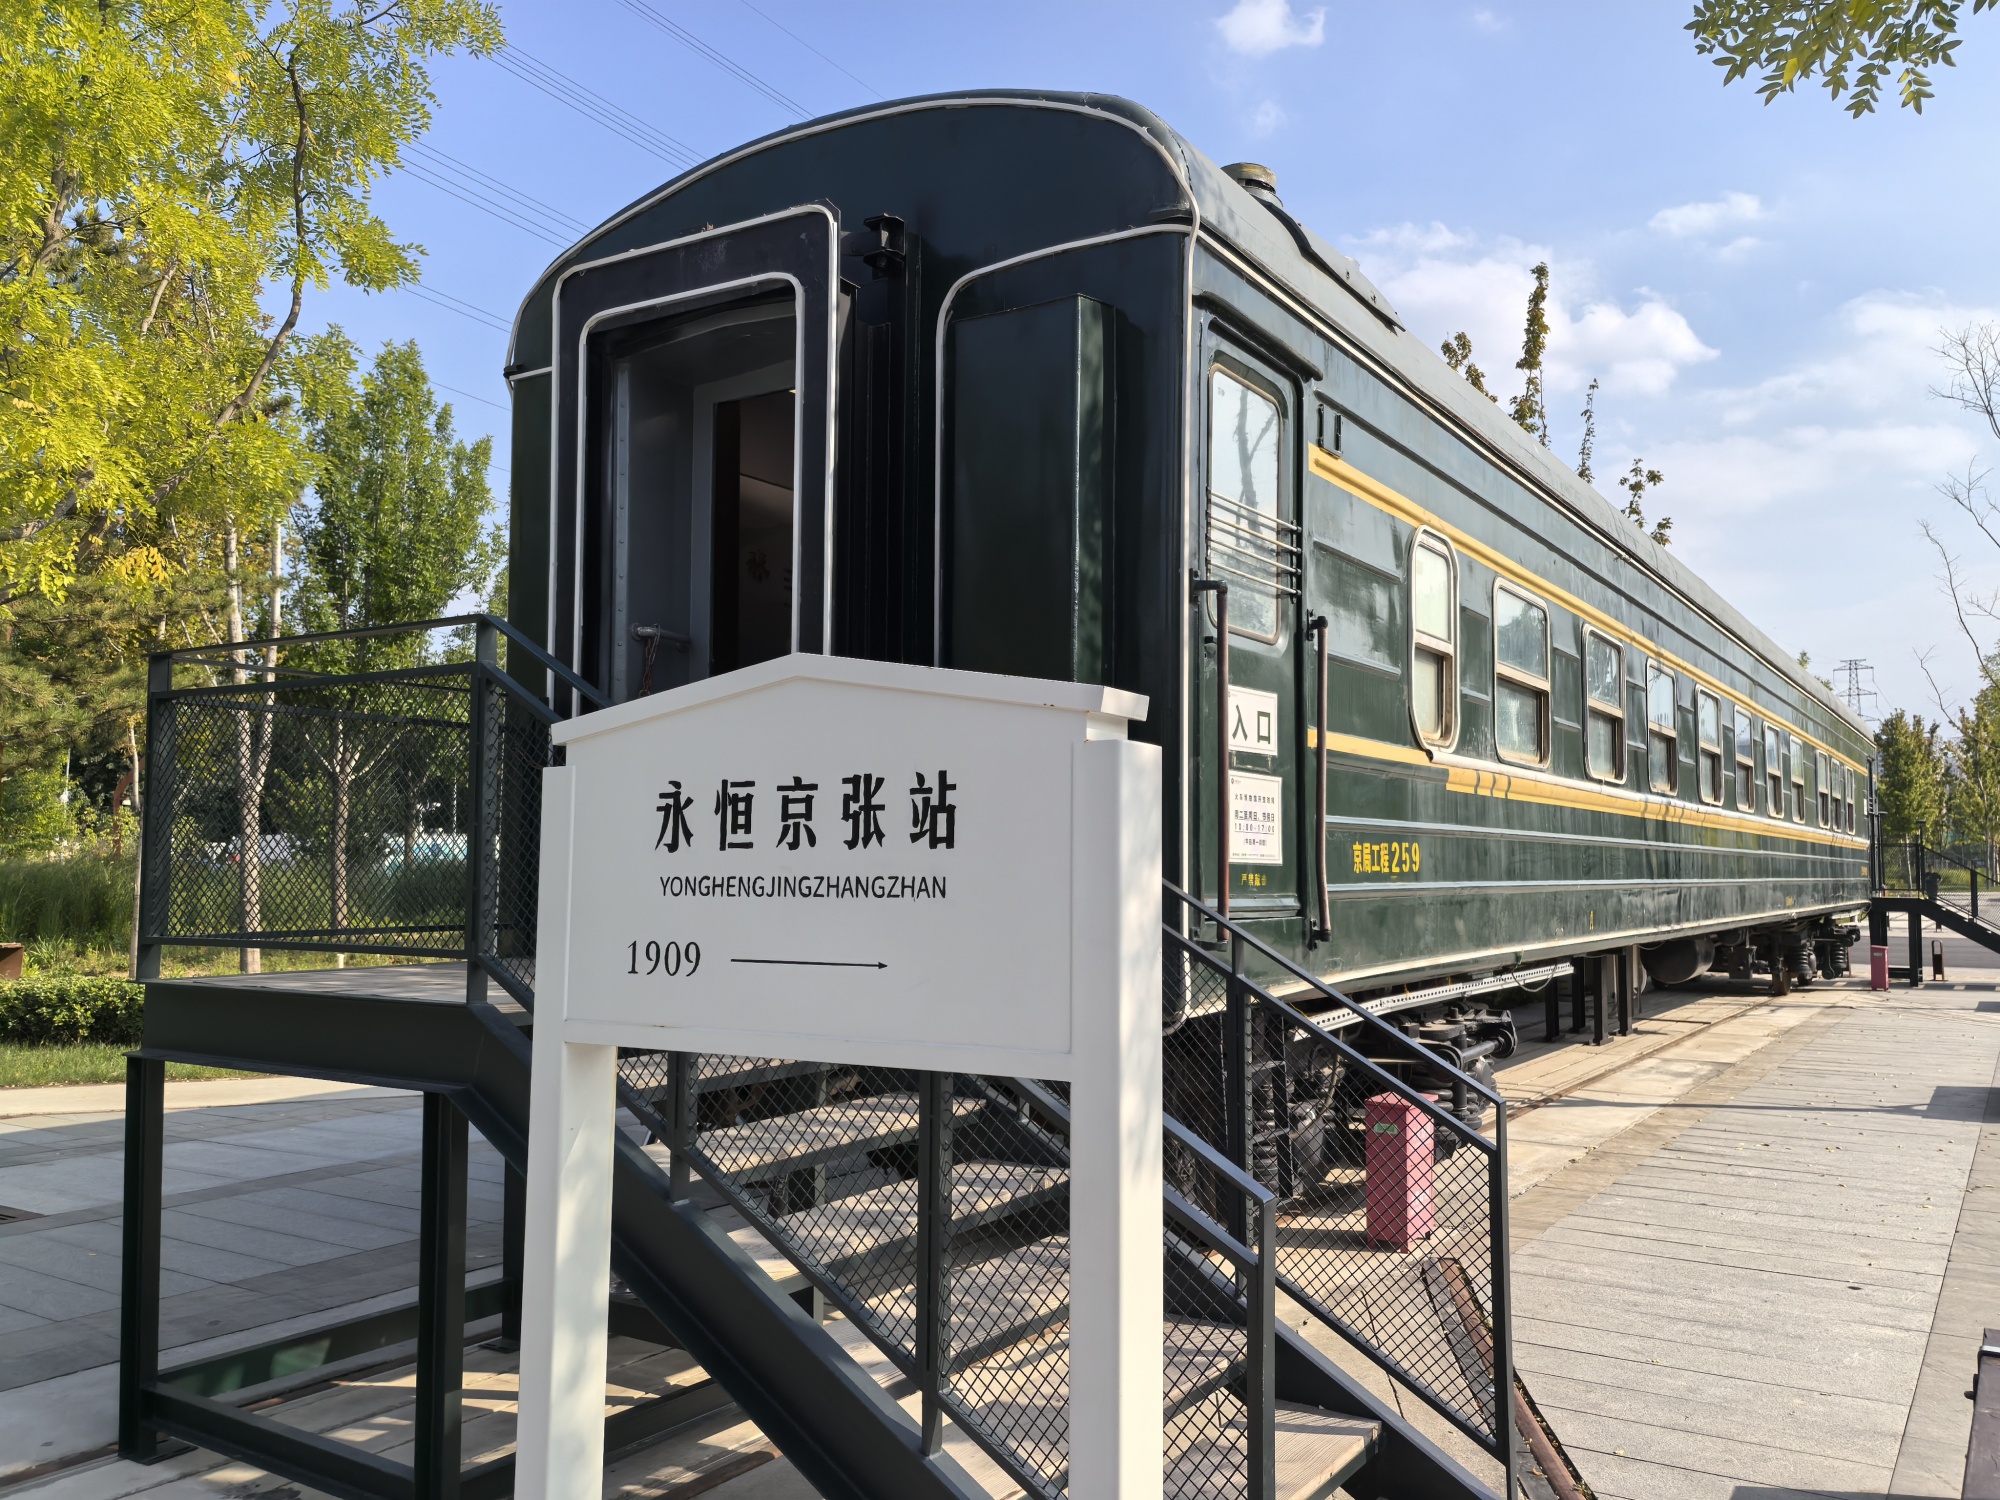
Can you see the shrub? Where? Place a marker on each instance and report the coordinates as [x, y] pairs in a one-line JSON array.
[[85, 902], [70, 1009]]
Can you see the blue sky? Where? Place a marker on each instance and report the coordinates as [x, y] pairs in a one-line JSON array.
[[1758, 289]]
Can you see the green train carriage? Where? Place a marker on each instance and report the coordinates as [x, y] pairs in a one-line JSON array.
[[1024, 383]]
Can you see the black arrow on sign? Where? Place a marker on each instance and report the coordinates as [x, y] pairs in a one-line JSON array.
[[812, 963]]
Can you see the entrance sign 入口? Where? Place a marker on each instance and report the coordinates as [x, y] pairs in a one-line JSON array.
[[1253, 721], [845, 861]]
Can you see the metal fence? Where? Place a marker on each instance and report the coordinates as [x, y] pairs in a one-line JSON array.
[[368, 791], [932, 1210], [1386, 1164], [1955, 872]]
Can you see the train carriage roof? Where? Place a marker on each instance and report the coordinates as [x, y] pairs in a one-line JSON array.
[[1286, 250]]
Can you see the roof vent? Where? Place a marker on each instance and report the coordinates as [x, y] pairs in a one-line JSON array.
[[1254, 178]]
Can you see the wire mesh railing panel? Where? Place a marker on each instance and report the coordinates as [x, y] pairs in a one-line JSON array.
[[1208, 1348], [1005, 1330], [518, 750], [821, 1158], [1385, 1223], [318, 813]]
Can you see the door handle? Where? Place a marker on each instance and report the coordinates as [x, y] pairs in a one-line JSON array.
[[1323, 924], [1221, 591]]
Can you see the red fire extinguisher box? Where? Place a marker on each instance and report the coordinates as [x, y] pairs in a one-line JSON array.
[[1400, 1172]]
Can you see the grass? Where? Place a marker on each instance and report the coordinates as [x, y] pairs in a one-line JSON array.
[[86, 901], [25, 1066]]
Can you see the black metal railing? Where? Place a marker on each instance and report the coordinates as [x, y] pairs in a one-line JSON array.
[[932, 1211], [363, 791], [1385, 1161], [1948, 872]]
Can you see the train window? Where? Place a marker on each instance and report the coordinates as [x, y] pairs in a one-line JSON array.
[[1434, 639], [1250, 544], [1850, 798], [1604, 691], [1746, 763], [1823, 783], [1774, 771], [1663, 734], [1798, 780], [1520, 676], [1708, 733]]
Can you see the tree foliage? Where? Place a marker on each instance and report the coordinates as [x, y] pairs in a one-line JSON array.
[[1586, 450], [1636, 483], [1909, 790], [1529, 408], [399, 521], [164, 165], [1853, 47], [166, 169], [1457, 352]]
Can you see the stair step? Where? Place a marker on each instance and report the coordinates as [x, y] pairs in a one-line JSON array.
[[759, 1150]]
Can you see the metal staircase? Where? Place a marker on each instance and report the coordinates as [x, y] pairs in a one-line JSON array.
[[872, 1263], [1923, 881]]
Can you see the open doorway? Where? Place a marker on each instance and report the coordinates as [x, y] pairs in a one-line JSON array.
[[750, 551], [695, 460]]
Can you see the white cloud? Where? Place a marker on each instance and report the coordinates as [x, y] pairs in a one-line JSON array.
[[1799, 495], [1257, 28], [1485, 20], [1442, 282], [1883, 359], [1699, 220], [1269, 117]]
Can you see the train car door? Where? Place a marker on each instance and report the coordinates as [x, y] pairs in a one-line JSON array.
[[693, 443], [1250, 543]]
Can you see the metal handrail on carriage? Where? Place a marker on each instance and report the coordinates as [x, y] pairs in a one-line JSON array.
[[1490, 1426]]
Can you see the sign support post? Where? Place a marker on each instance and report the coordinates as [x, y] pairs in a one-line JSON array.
[[1009, 926], [1117, 1290]]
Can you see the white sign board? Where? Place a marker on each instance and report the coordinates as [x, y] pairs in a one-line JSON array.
[[816, 850], [1256, 819], [853, 862]]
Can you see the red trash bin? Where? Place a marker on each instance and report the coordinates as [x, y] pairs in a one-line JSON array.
[[1399, 1172], [1878, 967]]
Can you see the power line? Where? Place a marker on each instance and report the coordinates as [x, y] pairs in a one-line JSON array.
[[452, 166], [688, 39], [454, 304], [594, 106], [812, 49], [496, 405], [436, 175]]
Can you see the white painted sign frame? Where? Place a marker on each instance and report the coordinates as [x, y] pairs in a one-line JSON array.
[[1108, 926]]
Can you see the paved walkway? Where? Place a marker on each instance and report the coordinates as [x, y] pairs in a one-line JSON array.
[[283, 1199], [1750, 1273]]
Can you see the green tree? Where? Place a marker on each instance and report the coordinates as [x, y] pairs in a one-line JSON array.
[[164, 166], [1528, 408], [397, 527], [1972, 773], [1635, 484], [1457, 352], [1909, 787], [1851, 46]]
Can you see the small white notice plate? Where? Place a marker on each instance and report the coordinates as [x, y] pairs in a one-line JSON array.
[[1256, 819]]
